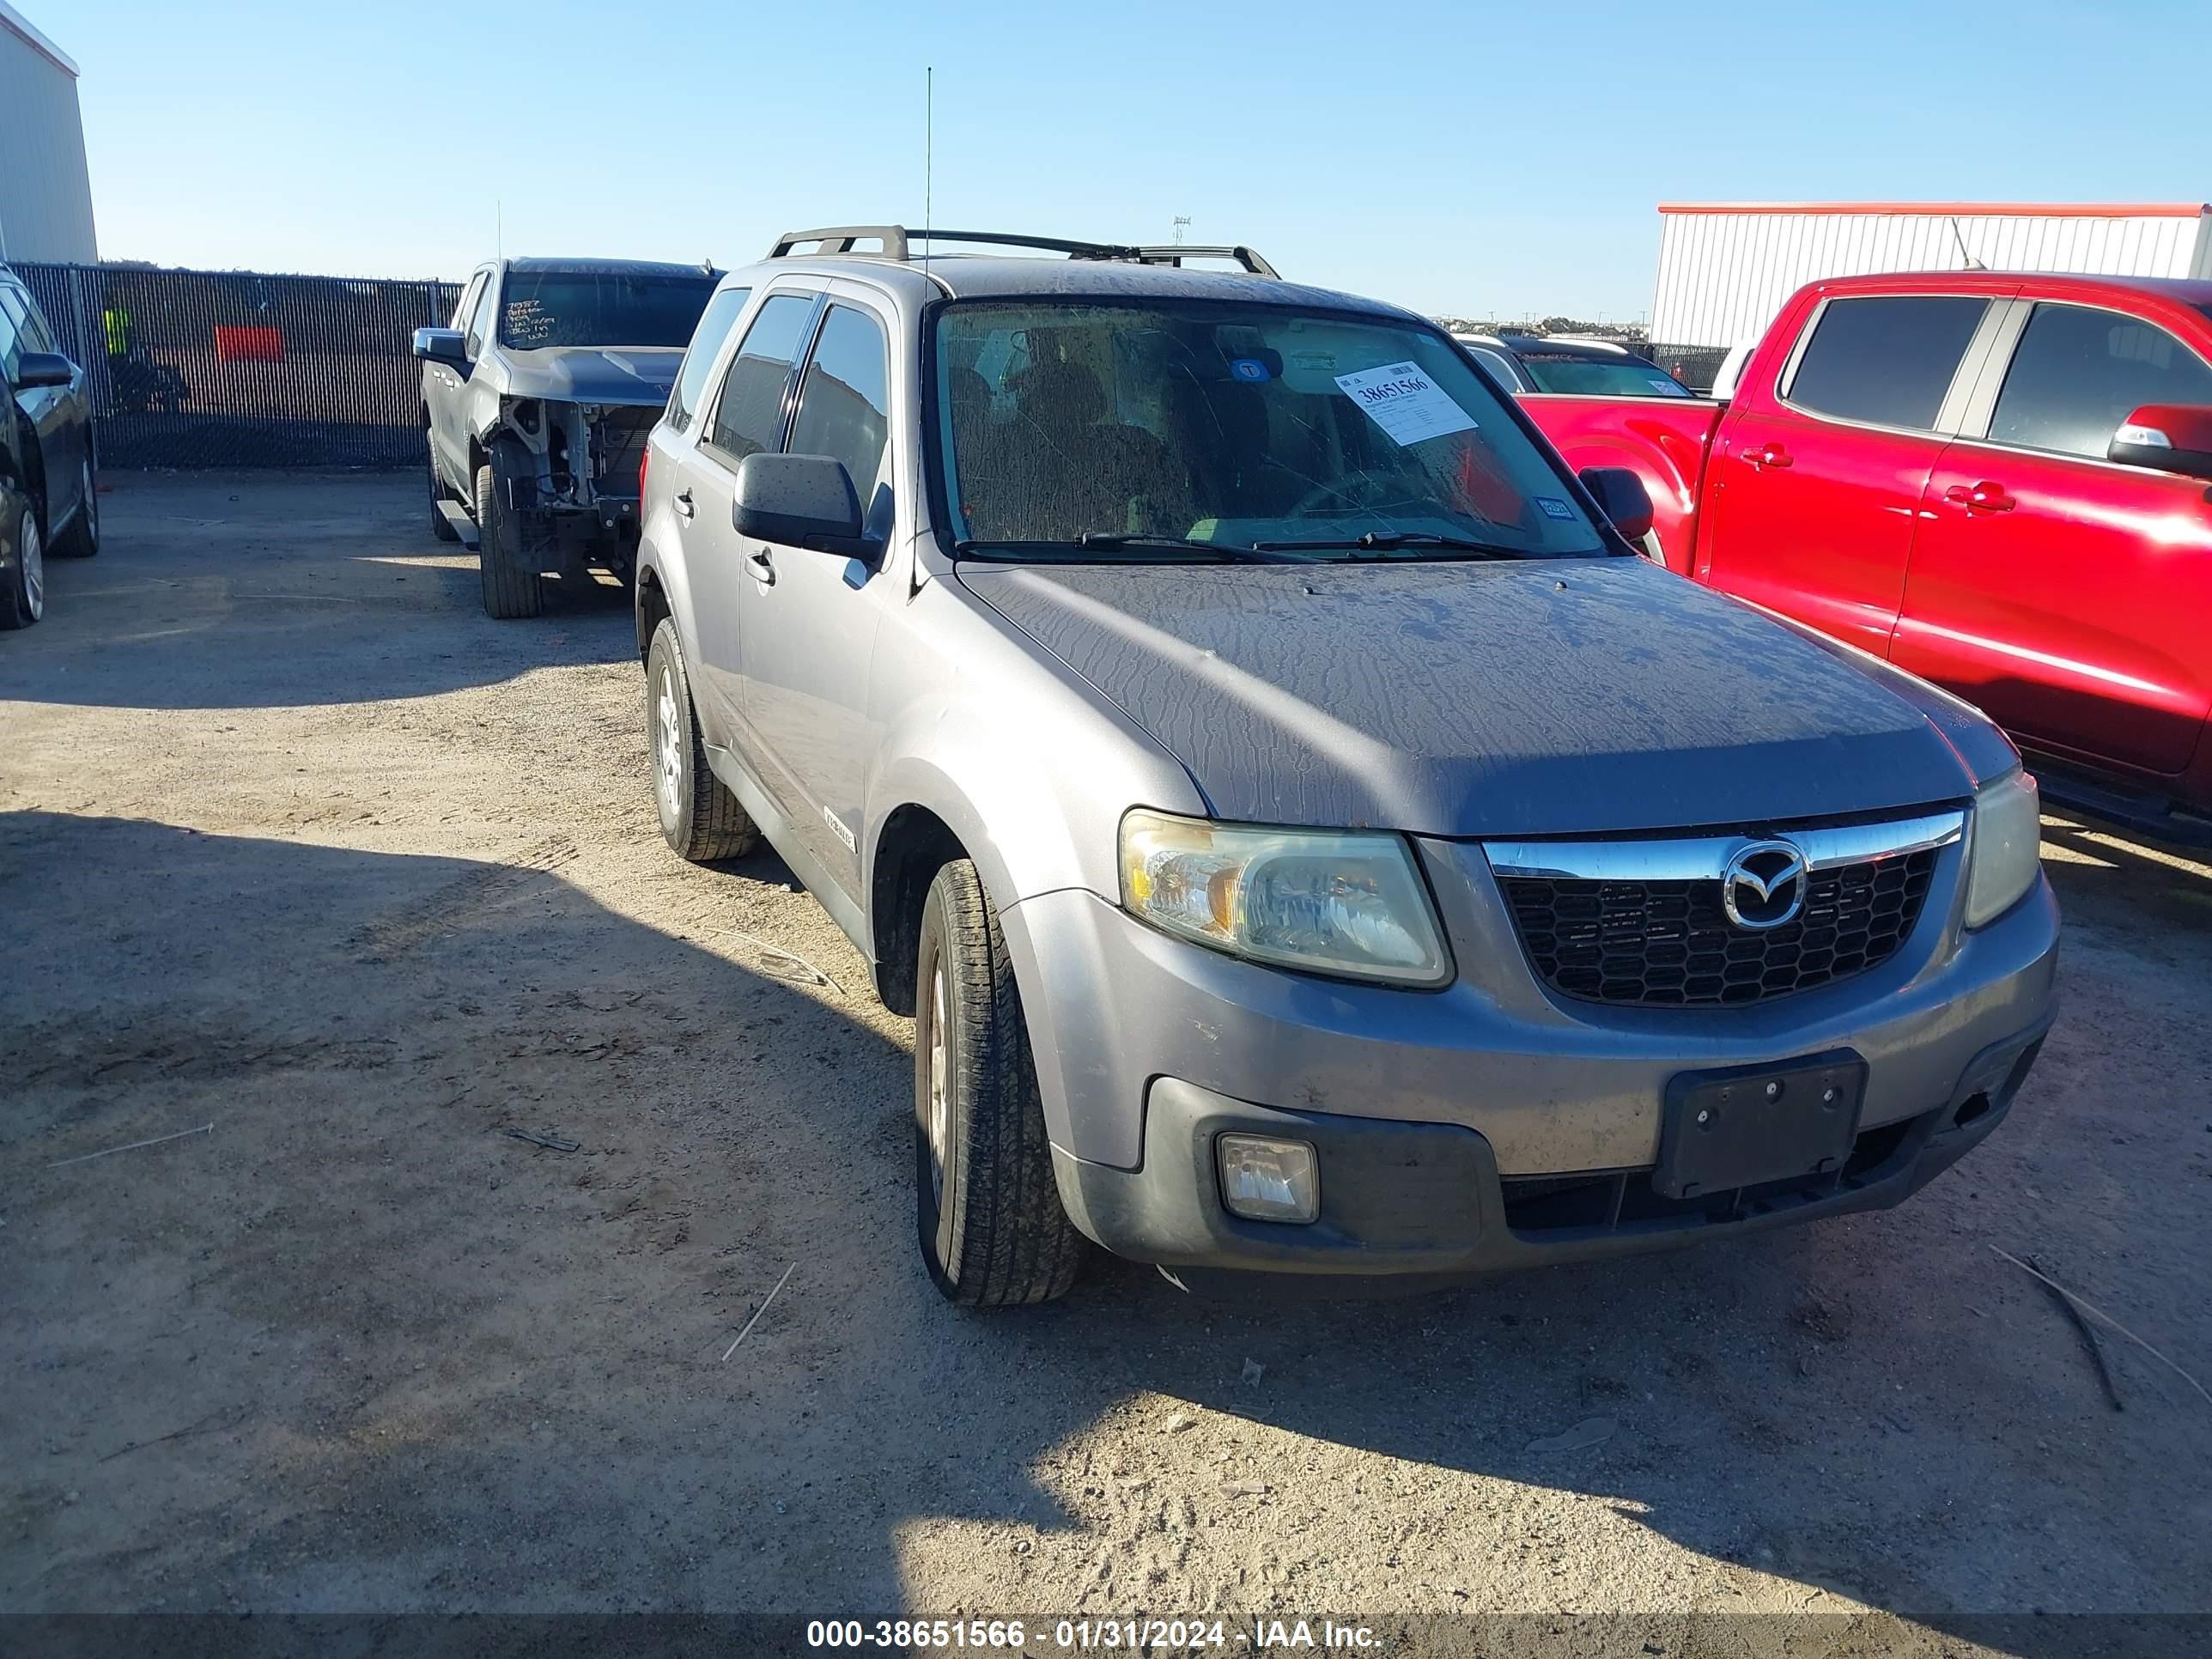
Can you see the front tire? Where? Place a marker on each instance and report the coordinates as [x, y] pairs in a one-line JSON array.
[[23, 594], [82, 539], [507, 566], [700, 818], [987, 1210]]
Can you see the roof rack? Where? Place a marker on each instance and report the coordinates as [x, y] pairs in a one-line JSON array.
[[1175, 252], [897, 244]]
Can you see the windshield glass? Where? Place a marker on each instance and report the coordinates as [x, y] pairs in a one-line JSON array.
[[1602, 377], [599, 308], [1092, 427]]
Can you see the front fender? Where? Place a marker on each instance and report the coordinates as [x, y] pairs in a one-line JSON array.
[[1025, 762]]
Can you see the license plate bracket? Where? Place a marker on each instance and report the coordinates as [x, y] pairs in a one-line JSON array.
[[1746, 1125]]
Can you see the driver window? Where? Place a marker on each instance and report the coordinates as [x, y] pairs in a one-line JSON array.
[[466, 306], [480, 323], [844, 405]]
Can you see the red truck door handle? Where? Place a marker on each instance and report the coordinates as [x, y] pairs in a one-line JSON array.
[[1767, 455], [1989, 497]]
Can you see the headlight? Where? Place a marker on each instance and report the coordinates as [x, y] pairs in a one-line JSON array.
[[2006, 848], [1347, 902]]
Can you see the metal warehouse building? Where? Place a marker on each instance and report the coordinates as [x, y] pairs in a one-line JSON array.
[[46, 190], [1725, 268]]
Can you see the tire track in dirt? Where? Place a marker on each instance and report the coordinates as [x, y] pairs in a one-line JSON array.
[[459, 903]]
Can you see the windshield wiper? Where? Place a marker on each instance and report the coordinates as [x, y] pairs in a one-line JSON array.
[[1111, 538], [1384, 541], [1109, 541]]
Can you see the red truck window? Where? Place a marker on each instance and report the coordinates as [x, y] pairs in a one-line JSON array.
[[2080, 371], [1887, 360]]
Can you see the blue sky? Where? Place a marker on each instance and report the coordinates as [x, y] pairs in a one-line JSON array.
[[1441, 156]]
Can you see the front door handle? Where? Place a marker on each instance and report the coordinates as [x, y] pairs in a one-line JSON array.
[[683, 508], [1986, 497], [1767, 455], [763, 567]]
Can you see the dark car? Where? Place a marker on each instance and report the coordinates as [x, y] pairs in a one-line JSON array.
[[1572, 364], [48, 501], [536, 404]]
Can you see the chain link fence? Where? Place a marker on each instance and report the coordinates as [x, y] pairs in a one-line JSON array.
[[1695, 367], [208, 369], [224, 368]]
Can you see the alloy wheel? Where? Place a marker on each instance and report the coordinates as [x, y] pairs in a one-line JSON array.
[[668, 762], [33, 555], [940, 1102]]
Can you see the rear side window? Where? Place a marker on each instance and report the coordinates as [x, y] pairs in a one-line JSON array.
[[1888, 360], [2079, 373], [749, 413], [705, 345], [844, 404]]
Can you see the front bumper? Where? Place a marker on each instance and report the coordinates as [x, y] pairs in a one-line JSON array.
[[1443, 1119], [1412, 1205]]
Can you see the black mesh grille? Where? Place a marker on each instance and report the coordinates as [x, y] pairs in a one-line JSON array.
[[1668, 942]]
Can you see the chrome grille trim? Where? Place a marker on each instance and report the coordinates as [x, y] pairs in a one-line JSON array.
[[1703, 857]]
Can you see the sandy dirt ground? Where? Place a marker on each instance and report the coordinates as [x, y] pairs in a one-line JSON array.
[[295, 844]]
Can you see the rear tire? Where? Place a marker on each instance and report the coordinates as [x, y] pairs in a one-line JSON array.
[[987, 1208], [23, 585], [82, 539], [700, 818], [511, 585]]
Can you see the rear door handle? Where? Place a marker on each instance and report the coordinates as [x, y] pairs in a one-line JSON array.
[[763, 567], [683, 508], [1986, 497], [1767, 455]]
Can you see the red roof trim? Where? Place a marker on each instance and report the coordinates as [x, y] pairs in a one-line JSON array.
[[1958, 210]]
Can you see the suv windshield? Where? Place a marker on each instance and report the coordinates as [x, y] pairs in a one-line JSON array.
[[1090, 428], [599, 308], [1600, 377]]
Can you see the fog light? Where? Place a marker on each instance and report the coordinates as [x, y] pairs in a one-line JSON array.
[[1264, 1180]]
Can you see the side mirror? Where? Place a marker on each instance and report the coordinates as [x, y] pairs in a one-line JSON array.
[[799, 500], [442, 345], [1620, 496], [2170, 437], [37, 369]]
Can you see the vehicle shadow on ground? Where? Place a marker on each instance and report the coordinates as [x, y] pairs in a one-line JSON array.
[[284, 568], [359, 1348], [2098, 864]]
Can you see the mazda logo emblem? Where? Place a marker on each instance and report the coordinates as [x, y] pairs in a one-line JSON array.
[[1763, 884]]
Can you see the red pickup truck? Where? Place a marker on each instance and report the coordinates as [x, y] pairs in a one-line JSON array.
[[2000, 482]]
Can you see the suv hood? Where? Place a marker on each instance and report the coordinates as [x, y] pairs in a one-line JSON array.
[[1537, 698], [636, 375]]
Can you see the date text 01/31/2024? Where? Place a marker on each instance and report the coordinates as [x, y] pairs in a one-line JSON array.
[[1013, 1635]]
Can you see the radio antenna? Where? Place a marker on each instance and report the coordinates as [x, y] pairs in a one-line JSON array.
[[928, 157]]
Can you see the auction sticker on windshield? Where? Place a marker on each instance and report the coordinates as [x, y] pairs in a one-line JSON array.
[[1405, 403]]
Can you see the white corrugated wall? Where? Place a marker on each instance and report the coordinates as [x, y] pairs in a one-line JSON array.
[[46, 189], [1723, 274]]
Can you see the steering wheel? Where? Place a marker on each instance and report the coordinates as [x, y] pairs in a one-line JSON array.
[[1366, 490]]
